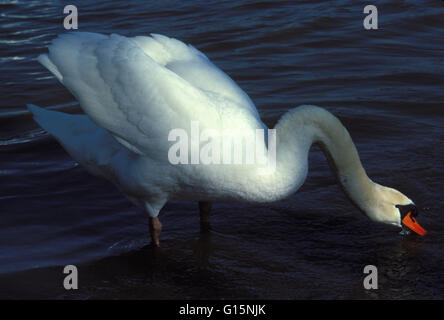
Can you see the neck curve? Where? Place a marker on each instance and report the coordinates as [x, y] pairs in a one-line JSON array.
[[298, 129]]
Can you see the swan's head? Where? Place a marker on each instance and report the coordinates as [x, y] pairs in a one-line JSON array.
[[392, 207]]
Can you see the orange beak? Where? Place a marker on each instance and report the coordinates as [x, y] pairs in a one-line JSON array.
[[413, 225]]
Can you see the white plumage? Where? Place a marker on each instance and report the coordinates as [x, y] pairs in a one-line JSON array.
[[134, 91]]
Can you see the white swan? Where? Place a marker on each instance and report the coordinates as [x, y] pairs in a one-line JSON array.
[[135, 90]]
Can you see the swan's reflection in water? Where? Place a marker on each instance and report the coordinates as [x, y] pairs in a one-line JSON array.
[[219, 265], [203, 248]]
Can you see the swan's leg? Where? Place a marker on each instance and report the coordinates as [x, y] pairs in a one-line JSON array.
[[155, 229], [204, 209], [153, 208]]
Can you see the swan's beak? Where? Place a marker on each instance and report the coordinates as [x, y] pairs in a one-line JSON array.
[[413, 225]]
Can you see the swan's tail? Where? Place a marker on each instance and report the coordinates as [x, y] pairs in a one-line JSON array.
[[53, 122], [87, 143], [63, 126]]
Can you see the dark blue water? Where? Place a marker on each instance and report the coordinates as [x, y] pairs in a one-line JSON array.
[[385, 85]]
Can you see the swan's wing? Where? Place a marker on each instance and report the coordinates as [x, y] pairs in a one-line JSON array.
[[193, 66], [137, 99]]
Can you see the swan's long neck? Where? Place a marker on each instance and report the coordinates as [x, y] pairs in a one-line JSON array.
[[299, 129]]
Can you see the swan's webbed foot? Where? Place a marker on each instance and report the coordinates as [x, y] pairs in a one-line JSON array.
[[204, 209], [155, 229]]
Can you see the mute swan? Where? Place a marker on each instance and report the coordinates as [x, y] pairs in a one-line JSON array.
[[134, 91]]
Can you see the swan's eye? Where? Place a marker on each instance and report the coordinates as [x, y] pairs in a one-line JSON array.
[[404, 209]]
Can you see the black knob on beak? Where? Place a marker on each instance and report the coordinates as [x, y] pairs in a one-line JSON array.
[[404, 209]]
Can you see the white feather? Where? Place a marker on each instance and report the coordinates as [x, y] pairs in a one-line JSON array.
[[135, 90]]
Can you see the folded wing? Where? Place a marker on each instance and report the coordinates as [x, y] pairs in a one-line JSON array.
[[141, 88]]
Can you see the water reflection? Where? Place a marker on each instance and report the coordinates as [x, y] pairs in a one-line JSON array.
[[399, 267], [203, 248]]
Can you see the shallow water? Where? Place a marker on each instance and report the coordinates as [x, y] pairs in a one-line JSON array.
[[385, 85]]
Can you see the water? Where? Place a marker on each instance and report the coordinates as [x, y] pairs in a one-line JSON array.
[[385, 85]]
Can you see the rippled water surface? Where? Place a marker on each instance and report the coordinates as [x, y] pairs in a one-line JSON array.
[[385, 85]]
